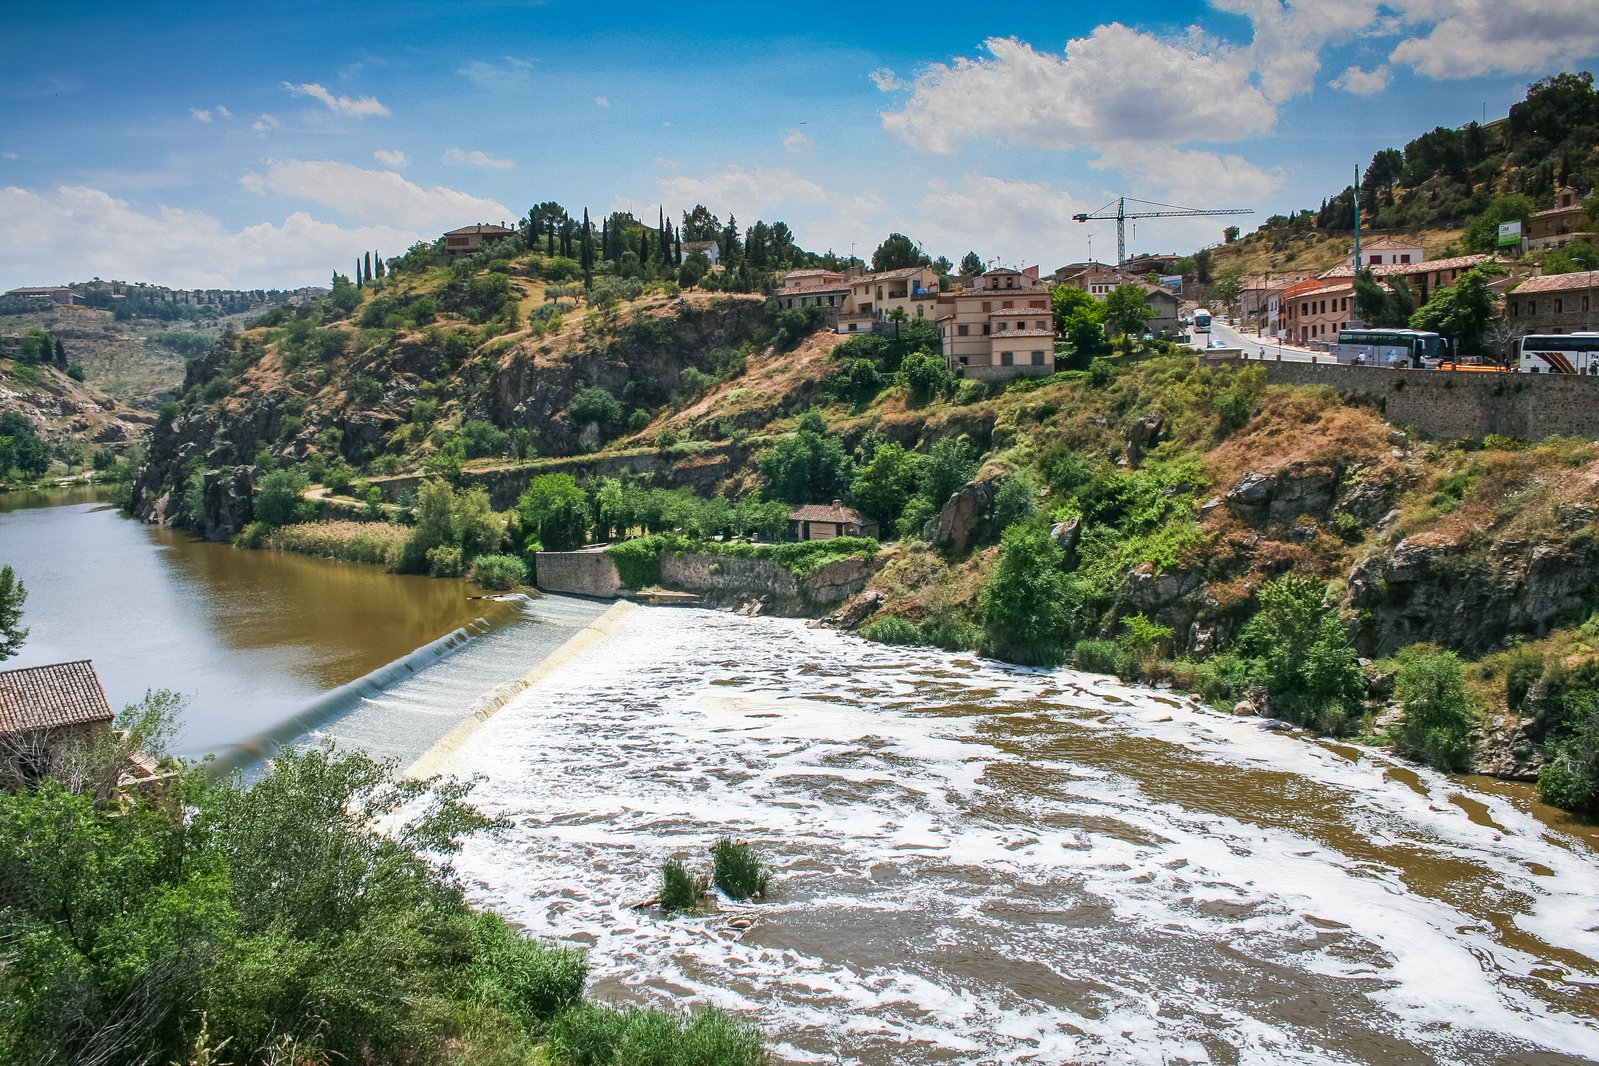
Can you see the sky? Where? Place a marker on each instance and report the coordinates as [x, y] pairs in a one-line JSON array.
[[259, 146]]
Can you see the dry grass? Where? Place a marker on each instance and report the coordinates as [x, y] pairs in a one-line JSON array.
[[351, 542]]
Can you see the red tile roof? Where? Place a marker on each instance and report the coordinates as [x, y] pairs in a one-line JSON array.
[[1577, 280], [46, 697], [1002, 334], [827, 512]]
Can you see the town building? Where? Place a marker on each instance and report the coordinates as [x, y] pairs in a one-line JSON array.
[[1423, 278], [1002, 327], [1163, 305], [913, 290], [819, 521], [469, 239], [1314, 310], [56, 294], [1561, 224], [711, 250], [826, 289], [1386, 251], [43, 710], [1553, 303]]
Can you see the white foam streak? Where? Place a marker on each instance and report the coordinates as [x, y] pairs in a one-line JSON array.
[[987, 861]]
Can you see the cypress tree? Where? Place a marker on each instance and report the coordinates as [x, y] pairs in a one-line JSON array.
[[677, 238], [358, 273], [605, 240], [61, 355], [381, 269], [368, 268], [586, 256], [549, 244]]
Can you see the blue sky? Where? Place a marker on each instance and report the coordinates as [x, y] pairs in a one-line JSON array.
[[254, 146]]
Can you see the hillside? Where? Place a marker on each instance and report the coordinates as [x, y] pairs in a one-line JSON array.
[[77, 428]]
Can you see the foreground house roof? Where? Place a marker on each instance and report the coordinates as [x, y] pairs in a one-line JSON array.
[[822, 512], [52, 697], [1576, 281]]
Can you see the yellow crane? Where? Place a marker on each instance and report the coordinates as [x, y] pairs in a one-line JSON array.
[[1121, 216]]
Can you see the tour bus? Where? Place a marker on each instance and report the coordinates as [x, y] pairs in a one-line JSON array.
[[1409, 348], [1201, 321], [1569, 353]]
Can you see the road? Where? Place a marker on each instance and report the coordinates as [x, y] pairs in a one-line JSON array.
[[1253, 346]]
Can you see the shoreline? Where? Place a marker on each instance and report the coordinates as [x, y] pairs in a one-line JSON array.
[[486, 706]]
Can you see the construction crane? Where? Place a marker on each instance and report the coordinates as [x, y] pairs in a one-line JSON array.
[[1121, 215]]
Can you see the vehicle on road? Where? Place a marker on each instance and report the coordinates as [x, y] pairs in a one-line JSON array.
[[1217, 342], [1389, 347], [1201, 321], [1570, 353]]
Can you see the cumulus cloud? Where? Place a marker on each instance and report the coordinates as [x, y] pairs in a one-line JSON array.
[[1477, 37], [1099, 90], [356, 107], [200, 115], [265, 124], [886, 80], [1363, 82], [602, 101], [796, 141], [1289, 36], [393, 158], [748, 193], [508, 73], [1192, 177], [999, 216], [80, 232], [375, 195], [475, 158]]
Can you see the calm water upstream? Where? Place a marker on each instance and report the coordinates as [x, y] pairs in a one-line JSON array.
[[262, 642], [980, 864], [975, 864]]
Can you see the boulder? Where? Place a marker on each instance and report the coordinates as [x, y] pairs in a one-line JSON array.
[[856, 610], [961, 515], [1143, 435], [1066, 534]]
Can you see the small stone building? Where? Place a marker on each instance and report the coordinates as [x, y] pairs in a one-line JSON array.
[[817, 521], [43, 708]]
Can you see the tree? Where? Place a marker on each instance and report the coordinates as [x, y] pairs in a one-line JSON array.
[[556, 507], [971, 265], [1296, 646], [13, 594], [1227, 286], [1382, 306], [699, 225], [926, 376], [1431, 686], [1461, 311], [1230, 234], [950, 465], [1126, 312], [594, 404], [807, 466], [280, 498], [586, 251], [20, 447], [1482, 232], [898, 252], [1024, 601], [886, 481]]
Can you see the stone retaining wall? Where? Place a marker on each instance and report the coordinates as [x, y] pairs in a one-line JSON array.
[[577, 573], [1461, 404]]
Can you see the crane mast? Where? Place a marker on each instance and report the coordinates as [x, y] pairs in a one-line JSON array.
[[1122, 215]]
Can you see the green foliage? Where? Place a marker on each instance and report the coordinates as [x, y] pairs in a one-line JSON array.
[[1015, 501], [280, 498], [1296, 646], [898, 252], [521, 977], [596, 405], [590, 1035], [1096, 656], [499, 572], [926, 376], [1482, 232], [884, 483], [807, 466], [892, 629], [483, 438], [951, 463], [737, 869], [1023, 602], [13, 594], [680, 891], [1461, 311], [1140, 646], [21, 449], [452, 526], [1126, 312], [1569, 712], [1431, 686], [638, 562], [554, 512]]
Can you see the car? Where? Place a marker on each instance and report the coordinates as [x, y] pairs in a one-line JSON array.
[[1216, 342]]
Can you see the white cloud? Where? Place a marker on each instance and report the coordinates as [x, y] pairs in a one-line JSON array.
[[1290, 35], [223, 112], [199, 115], [265, 124], [357, 107], [475, 158], [393, 158], [886, 80], [509, 73], [9, 155], [796, 141], [1476, 37], [81, 232], [602, 101], [1192, 178], [749, 194], [1020, 222], [1363, 82], [375, 195], [1105, 87]]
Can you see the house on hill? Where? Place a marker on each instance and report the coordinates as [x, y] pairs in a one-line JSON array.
[[711, 250], [1002, 327], [56, 294], [1553, 303], [817, 521], [1386, 251], [1561, 224], [469, 239]]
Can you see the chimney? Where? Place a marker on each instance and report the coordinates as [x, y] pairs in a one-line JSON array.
[[838, 503], [1537, 270]]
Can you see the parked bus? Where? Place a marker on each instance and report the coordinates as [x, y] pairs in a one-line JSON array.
[[1569, 353], [1410, 348], [1201, 321]]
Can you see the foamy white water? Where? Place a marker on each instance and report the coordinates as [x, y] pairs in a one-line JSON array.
[[977, 863]]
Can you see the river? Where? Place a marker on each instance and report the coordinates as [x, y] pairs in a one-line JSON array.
[[974, 863]]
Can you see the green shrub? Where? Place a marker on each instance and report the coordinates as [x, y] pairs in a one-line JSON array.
[[1025, 601], [444, 560], [1140, 645], [499, 571], [638, 561], [737, 869], [279, 498], [523, 978], [892, 629], [1431, 686], [680, 891], [590, 1035], [1096, 657], [954, 634]]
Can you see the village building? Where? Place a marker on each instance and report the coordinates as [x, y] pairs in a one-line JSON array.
[[56, 294], [1561, 224], [826, 289], [1314, 310], [913, 290], [817, 521], [1163, 305], [1386, 251], [43, 709], [1423, 278], [1553, 303], [469, 239], [1099, 280], [711, 250], [1002, 327]]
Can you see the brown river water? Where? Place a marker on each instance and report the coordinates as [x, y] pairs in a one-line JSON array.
[[974, 863]]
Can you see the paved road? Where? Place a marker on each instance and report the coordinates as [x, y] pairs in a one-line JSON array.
[[1253, 346]]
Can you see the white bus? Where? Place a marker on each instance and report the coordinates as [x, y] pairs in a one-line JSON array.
[[1201, 321], [1406, 348], [1559, 353]]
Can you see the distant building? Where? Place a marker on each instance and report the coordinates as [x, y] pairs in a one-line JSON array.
[[1424, 277], [711, 250], [1313, 311], [469, 239], [1561, 224], [1163, 305], [1553, 303], [816, 521], [826, 289], [43, 709], [1386, 251], [913, 290], [56, 294]]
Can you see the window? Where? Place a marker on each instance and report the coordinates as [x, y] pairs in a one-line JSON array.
[[1038, 358], [1005, 358], [1004, 325], [1007, 304], [988, 305], [985, 329], [961, 330], [1559, 306], [1375, 260], [1405, 258], [1532, 307]]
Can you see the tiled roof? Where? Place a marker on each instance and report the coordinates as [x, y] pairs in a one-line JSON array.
[[827, 512], [479, 228], [889, 275], [1577, 280], [1382, 244], [1426, 266], [1002, 334], [1018, 312], [44, 697]]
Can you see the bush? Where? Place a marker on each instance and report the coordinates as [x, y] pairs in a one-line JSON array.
[[1431, 686], [1096, 657], [1025, 601], [738, 870], [499, 571], [444, 560], [522, 977], [680, 891], [279, 498], [589, 1035], [892, 629], [926, 376], [350, 542]]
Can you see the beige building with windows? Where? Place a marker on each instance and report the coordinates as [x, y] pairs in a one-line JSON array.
[[1553, 303], [1002, 327], [1561, 224]]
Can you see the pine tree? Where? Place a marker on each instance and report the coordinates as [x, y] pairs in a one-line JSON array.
[[61, 355], [368, 268], [358, 273]]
